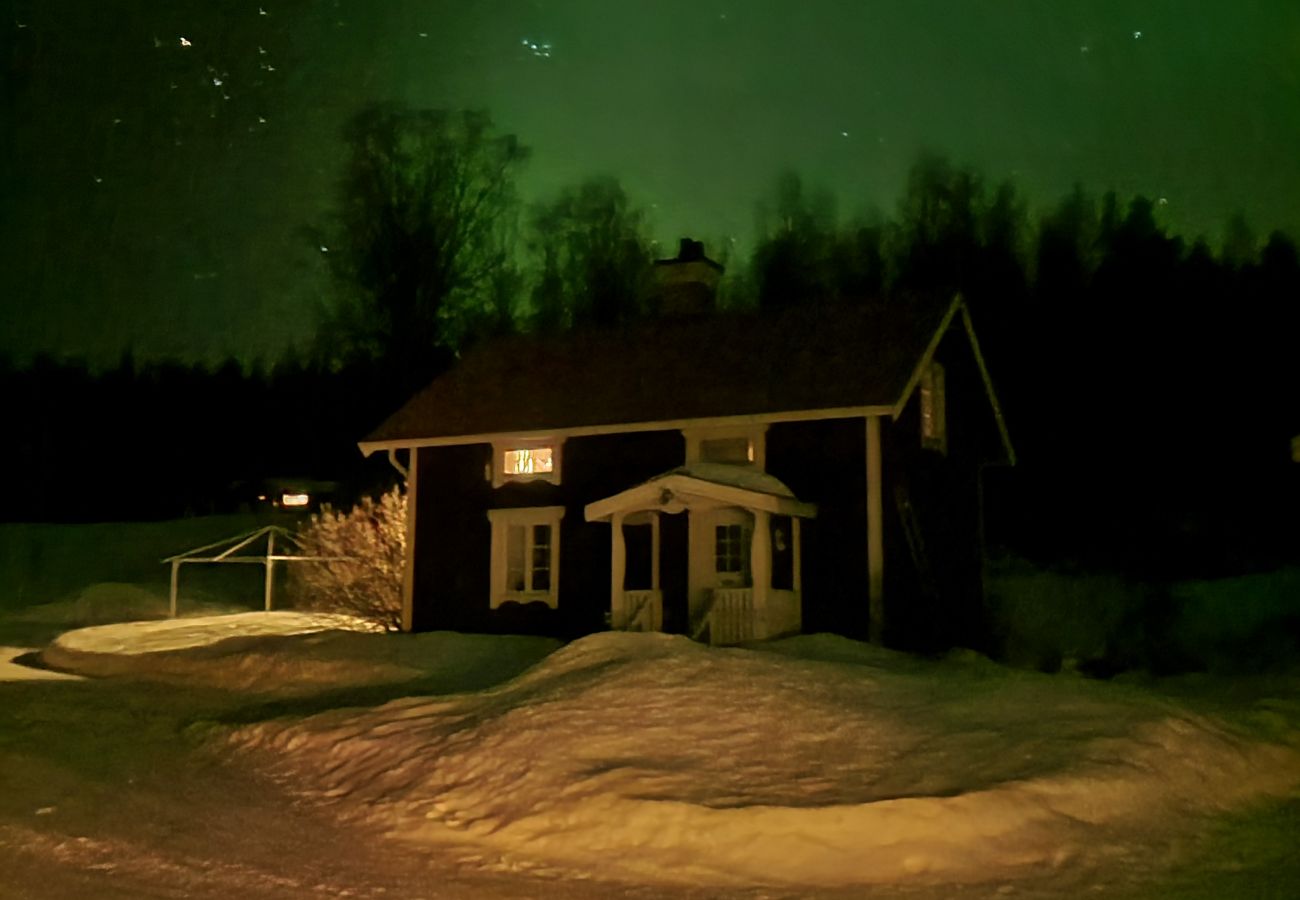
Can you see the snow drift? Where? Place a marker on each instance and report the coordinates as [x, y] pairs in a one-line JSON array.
[[824, 762]]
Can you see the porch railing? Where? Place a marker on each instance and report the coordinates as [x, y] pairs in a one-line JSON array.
[[728, 617], [643, 611]]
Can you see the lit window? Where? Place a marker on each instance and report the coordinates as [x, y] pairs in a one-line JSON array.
[[520, 460], [534, 461], [292, 500], [934, 427], [525, 554]]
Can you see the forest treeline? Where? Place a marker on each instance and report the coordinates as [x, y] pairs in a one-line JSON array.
[[1149, 380]]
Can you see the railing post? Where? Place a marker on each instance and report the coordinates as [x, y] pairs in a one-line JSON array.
[[270, 568], [176, 577]]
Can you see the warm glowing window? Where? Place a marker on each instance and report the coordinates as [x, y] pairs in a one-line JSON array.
[[934, 426], [518, 460], [529, 461], [525, 554]]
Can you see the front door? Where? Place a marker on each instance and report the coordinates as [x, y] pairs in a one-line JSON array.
[[673, 576]]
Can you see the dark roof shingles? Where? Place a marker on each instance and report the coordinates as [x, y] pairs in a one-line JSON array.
[[671, 369]]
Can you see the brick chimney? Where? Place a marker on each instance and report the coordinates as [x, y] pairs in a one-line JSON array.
[[687, 285]]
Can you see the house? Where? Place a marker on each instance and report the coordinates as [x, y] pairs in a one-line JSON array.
[[728, 476]]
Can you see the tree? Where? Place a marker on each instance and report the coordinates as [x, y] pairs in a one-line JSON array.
[[792, 263], [593, 257], [424, 231]]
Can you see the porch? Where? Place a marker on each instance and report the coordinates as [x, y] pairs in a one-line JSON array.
[[739, 576]]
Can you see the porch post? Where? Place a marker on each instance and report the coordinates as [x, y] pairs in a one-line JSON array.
[[654, 551], [760, 558], [797, 555], [875, 535], [408, 562], [617, 567]]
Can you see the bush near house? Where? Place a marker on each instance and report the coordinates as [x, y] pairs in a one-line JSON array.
[[365, 548]]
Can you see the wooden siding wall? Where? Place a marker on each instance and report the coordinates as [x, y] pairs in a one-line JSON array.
[[453, 535], [942, 607], [825, 463]]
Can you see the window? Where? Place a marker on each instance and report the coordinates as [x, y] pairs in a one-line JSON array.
[[934, 427], [536, 461], [531, 460], [737, 451], [525, 554], [732, 537], [733, 445]]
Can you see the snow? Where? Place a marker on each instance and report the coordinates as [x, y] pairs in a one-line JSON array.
[[12, 670], [745, 477], [815, 761], [133, 638]]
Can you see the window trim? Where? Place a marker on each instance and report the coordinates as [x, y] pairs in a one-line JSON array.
[[527, 516], [744, 520], [933, 409], [498, 464]]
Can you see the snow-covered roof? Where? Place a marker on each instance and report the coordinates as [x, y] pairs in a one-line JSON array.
[[712, 483]]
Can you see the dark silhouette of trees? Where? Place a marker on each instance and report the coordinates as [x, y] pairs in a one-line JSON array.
[[793, 261], [592, 257], [423, 249]]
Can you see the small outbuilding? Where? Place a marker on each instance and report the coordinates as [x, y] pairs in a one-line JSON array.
[[729, 476]]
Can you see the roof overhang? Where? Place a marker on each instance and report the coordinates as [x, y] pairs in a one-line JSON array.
[[543, 434], [676, 492], [956, 308]]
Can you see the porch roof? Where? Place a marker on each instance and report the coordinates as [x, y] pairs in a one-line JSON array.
[[713, 483]]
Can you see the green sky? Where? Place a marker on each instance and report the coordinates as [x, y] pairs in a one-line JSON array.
[[155, 191]]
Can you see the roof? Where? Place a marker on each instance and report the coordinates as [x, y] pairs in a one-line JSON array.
[[857, 358], [711, 482]]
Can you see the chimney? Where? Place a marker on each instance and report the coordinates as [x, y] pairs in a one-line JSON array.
[[687, 285]]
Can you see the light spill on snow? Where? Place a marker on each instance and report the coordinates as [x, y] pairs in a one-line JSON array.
[[133, 638], [650, 757], [12, 670]]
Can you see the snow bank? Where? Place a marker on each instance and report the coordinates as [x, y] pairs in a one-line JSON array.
[[650, 757], [290, 654], [132, 638]]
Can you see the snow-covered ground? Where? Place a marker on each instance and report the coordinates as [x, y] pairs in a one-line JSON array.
[[626, 765], [826, 762]]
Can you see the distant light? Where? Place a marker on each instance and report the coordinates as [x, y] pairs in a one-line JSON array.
[[185, 43], [216, 81], [260, 11], [424, 34], [324, 249], [261, 496], [844, 134], [1137, 35], [294, 499]]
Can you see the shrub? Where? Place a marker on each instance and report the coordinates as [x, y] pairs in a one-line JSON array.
[[365, 547]]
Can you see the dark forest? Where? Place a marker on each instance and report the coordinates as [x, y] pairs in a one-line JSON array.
[[1146, 377]]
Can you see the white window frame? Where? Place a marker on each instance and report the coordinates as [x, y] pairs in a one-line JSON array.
[[757, 435], [934, 408], [526, 516], [498, 464], [732, 517]]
